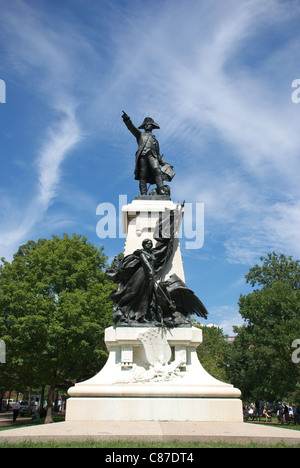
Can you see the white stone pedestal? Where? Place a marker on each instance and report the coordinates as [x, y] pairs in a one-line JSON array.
[[153, 374]]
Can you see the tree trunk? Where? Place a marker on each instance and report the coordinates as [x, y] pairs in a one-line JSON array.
[[56, 402], [42, 401], [48, 418], [28, 412], [7, 405]]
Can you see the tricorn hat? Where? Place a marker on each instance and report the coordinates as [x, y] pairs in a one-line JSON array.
[[149, 120]]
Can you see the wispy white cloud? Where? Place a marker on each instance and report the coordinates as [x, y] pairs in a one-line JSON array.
[[18, 223], [211, 77], [34, 52], [59, 141], [215, 82]]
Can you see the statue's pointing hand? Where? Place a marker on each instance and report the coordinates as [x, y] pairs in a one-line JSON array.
[[125, 116]]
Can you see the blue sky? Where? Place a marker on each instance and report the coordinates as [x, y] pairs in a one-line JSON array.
[[215, 74]]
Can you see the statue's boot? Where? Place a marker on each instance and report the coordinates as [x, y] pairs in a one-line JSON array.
[[159, 183], [143, 187]]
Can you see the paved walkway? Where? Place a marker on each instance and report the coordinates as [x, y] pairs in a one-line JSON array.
[[156, 431], [6, 419]]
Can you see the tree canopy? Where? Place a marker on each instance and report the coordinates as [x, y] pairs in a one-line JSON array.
[[54, 308], [214, 352], [262, 364]]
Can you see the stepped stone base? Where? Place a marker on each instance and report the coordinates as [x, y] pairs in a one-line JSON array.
[[153, 374]]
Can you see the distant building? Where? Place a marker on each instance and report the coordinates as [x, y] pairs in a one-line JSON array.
[[230, 339]]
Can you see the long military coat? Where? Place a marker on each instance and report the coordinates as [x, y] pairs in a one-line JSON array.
[[143, 139]]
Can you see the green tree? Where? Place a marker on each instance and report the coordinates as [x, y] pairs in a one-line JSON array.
[[261, 364], [214, 352], [54, 308]]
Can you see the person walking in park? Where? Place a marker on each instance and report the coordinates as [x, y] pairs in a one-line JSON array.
[[16, 409]]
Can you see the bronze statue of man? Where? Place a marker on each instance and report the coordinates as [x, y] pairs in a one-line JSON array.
[[147, 159]]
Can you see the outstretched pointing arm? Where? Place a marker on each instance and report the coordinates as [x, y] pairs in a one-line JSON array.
[[130, 126]]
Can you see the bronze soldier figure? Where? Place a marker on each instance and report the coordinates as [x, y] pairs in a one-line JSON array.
[[147, 159]]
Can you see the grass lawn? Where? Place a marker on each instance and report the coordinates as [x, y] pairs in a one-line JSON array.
[[282, 426], [36, 422], [156, 446]]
